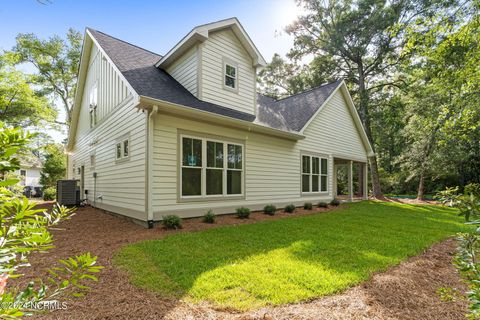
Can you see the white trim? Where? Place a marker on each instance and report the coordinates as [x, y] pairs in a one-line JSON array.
[[88, 41], [197, 114], [310, 174], [204, 166], [353, 112], [232, 64], [201, 33]]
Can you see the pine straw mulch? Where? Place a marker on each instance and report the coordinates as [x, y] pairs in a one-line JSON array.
[[407, 291]]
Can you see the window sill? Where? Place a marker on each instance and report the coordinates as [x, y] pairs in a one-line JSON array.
[[210, 198], [121, 160]]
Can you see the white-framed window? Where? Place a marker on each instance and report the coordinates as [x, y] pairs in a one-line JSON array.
[[210, 168], [92, 159], [314, 174], [122, 148], [230, 75], [93, 103]]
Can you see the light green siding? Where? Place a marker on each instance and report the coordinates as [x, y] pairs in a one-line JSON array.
[[121, 184], [272, 165]]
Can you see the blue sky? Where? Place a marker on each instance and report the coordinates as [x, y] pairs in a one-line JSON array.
[[154, 25]]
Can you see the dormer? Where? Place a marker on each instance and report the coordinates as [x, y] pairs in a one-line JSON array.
[[217, 62]]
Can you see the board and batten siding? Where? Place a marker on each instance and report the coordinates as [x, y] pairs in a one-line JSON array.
[[184, 70], [225, 45], [272, 165], [119, 184], [111, 89]]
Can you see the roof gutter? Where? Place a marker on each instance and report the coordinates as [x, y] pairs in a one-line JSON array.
[[181, 110]]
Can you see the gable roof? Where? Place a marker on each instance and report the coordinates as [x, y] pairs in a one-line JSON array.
[[137, 66], [202, 32], [292, 113]]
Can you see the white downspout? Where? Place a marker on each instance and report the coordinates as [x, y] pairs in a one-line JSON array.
[[151, 124]]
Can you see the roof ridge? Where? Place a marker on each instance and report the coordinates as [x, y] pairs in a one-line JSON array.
[[311, 89], [126, 42]]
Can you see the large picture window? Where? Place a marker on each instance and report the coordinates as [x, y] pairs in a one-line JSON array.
[[210, 167], [314, 174]]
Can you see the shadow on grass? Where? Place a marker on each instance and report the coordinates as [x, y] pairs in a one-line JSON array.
[[288, 260]]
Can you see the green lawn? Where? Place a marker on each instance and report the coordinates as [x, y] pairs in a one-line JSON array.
[[287, 260]]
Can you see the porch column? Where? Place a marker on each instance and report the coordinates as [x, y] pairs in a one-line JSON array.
[[365, 181], [350, 181]]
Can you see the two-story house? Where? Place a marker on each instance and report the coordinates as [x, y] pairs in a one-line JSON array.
[[187, 132]]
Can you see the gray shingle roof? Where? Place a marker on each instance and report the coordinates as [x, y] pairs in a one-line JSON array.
[[292, 113], [138, 66]]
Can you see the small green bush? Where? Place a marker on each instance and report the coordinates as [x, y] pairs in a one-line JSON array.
[[308, 206], [270, 209], [172, 222], [290, 208], [49, 194], [243, 213], [335, 202], [322, 204], [209, 217]]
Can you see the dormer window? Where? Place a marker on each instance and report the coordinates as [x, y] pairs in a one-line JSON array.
[[93, 105], [230, 76]]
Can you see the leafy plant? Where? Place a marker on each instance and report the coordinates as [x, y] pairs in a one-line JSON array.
[[468, 266], [49, 194], [270, 209], [473, 188], [322, 204], [335, 202], [209, 217], [290, 208], [308, 206], [467, 204], [172, 221], [24, 230], [243, 213]]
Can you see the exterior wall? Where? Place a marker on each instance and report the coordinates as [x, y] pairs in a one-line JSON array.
[[32, 177], [272, 165], [219, 46], [120, 184], [111, 90], [184, 70]]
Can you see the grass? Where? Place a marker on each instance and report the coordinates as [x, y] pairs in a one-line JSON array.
[[289, 260]]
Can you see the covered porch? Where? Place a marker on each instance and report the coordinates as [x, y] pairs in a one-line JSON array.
[[350, 179]]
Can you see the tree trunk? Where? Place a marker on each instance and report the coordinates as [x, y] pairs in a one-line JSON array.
[[421, 186], [364, 115]]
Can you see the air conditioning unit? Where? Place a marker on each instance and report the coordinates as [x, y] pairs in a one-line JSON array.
[[68, 192]]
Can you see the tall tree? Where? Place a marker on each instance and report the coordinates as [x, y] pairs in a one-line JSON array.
[[56, 61], [363, 38], [20, 103], [443, 111], [54, 166]]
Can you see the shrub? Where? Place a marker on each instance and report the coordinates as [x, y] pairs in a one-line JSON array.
[[172, 222], [322, 204], [473, 188], [270, 209], [209, 217], [243, 213], [290, 208], [335, 202], [308, 206], [49, 194]]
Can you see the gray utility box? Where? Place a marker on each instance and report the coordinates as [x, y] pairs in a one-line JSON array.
[[68, 192]]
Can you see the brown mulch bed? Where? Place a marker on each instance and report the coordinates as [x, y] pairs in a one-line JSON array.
[[408, 291]]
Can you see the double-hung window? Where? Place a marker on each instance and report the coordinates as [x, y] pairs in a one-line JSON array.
[[122, 148], [314, 174], [210, 168], [230, 75], [93, 104]]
